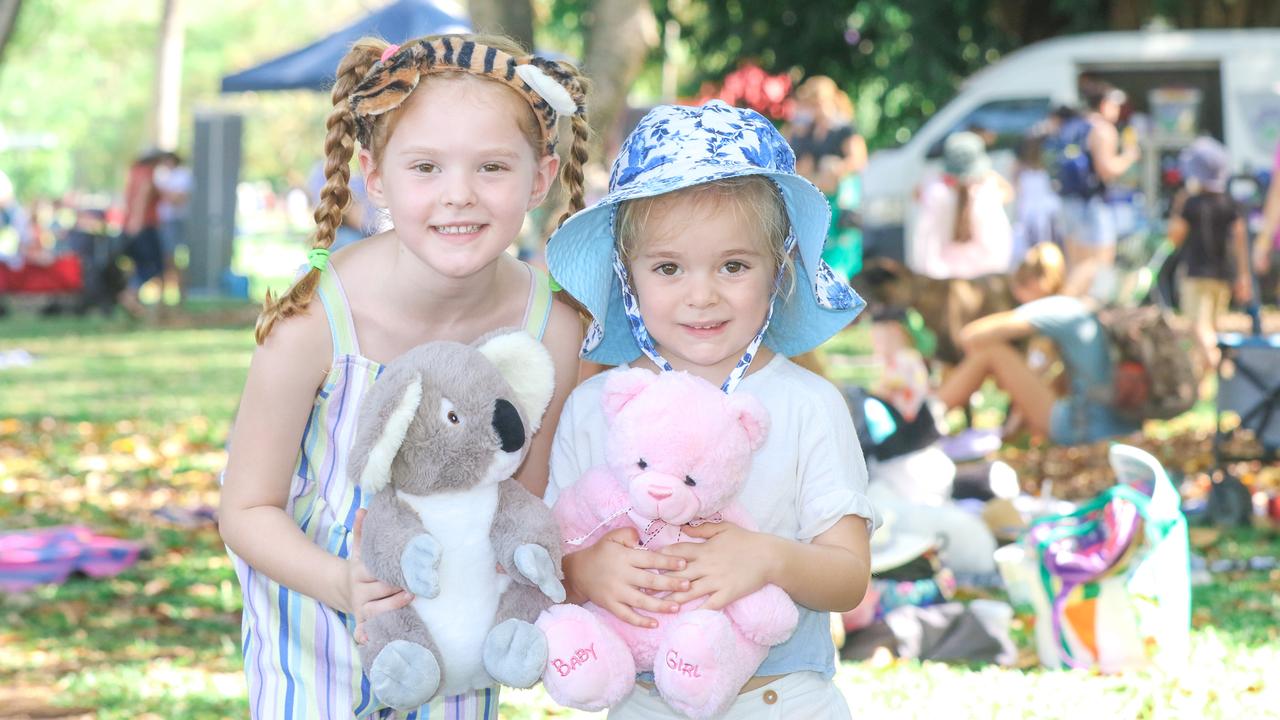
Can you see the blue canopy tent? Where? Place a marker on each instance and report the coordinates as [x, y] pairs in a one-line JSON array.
[[312, 67]]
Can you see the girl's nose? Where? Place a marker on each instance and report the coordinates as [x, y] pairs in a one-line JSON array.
[[458, 192], [702, 292]]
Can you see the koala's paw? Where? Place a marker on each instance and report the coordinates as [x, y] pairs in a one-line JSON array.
[[404, 675], [515, 653], [419, 562], [535, 563]]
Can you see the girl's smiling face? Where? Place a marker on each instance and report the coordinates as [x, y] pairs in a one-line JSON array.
[[703, 276], [458, 173]]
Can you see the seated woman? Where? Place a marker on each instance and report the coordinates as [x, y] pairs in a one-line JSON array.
[[1080, 340]]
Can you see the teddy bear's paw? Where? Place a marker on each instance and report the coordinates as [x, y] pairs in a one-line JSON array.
[[404, 675], [589, 666], [515, 653], [534, 562], [419, 562], [689, 668]]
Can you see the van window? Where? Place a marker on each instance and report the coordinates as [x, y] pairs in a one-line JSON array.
[[1008, 119]]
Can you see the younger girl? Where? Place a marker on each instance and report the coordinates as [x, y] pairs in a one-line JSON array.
[[712, 267], [457, 139]]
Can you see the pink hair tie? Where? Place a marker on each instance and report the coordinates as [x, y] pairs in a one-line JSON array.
[[391, 50]]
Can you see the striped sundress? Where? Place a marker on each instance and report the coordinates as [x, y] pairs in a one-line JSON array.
[[299, 656]]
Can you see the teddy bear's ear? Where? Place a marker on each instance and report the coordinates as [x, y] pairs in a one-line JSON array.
[[751, 416], [622, 387], [527, 367], [384, 423]]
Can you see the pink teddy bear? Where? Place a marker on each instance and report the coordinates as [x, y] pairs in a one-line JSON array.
[[678, 452]]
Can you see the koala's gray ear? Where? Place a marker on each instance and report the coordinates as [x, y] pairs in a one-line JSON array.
[[527, 367], [383, 425]]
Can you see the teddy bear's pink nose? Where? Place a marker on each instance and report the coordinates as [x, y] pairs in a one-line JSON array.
[[659, 493]]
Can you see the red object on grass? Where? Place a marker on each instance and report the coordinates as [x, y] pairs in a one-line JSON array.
[[63, 275]]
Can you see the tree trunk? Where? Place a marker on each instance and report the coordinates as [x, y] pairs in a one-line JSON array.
[[167, 96], [8, 18], [513, 18], [620, 33]]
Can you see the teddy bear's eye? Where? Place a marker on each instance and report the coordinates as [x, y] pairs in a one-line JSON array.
[[689, 481], [642, 464], [453, 417]]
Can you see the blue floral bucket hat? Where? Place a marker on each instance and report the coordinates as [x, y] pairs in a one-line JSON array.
[[675, 147]]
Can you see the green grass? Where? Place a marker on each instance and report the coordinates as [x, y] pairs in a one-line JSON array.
[[116, 420]]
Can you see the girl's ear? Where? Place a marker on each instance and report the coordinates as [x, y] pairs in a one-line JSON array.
[[372, 178], [542, 179], [385, 417]]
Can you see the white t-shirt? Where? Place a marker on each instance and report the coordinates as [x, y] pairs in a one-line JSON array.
[[808, 475]]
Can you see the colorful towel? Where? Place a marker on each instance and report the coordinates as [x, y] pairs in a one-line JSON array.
[[49, 555]]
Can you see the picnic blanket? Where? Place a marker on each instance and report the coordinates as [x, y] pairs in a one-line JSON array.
[[50, 555]]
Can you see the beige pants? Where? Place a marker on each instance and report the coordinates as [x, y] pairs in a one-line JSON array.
[[799, 695], [1203, 300]]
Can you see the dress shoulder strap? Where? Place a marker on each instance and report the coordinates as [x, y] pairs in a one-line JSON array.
[[538, 310], [338, 310]]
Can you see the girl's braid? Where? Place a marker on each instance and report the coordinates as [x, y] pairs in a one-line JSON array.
[[339, 146], [571, 174]]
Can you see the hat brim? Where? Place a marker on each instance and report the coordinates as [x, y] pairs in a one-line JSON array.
[[900, 549], [580, 258]]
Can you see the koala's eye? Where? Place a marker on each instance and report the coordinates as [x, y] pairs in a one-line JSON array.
[[689, 481], [448, 414], [642, 464]]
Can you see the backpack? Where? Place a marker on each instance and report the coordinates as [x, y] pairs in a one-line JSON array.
[[1154, 377], [1070, 165]]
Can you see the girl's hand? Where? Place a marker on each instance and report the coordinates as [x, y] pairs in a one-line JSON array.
[[1243, 289], [1261, 255], [615, 574], [732, 563], [368, 596]]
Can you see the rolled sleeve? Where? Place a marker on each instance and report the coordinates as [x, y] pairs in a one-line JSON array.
[[833, 473]]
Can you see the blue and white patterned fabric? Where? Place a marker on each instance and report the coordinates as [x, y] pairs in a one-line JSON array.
[[676, 147]]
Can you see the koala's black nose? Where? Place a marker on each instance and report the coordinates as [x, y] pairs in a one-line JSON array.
[[506, 422]]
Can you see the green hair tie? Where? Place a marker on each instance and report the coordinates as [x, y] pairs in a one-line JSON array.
[[551, 283], [318, 258]]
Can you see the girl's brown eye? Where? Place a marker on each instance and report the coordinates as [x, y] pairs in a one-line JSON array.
[[453, 417]]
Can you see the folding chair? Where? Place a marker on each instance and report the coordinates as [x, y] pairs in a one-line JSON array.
[[1251, 390]]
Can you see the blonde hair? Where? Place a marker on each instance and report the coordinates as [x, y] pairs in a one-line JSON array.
[[822, 91], [1044, 266], [753, 198], [340, 145]]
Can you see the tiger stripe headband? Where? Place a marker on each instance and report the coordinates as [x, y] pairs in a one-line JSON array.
[[550, 89]]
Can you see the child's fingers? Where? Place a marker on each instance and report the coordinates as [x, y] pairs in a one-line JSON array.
[[660, 583], [696, 590], [623, 536], [627, 615], [647, 560], [640, 601], [688, 552]]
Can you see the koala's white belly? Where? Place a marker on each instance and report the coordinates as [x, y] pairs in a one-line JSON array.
[[470, 585]]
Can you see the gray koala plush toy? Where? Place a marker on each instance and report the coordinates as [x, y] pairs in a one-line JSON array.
[[440, 434]]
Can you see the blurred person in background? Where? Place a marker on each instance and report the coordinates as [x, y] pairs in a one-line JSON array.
[[1267, 241], [1209, 227], [174, 182], [142, 228], [962, 230], [1092, 157], [830, 153]]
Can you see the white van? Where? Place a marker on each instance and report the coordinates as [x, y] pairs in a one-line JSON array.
[[1236, 74]]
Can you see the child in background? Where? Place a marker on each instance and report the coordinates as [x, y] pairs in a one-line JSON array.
[[1209, 226], [704, 257], [1037, 208], [457, 138], [962, 230]]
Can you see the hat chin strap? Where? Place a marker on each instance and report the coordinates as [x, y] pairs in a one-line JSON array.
[[641, 333]]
